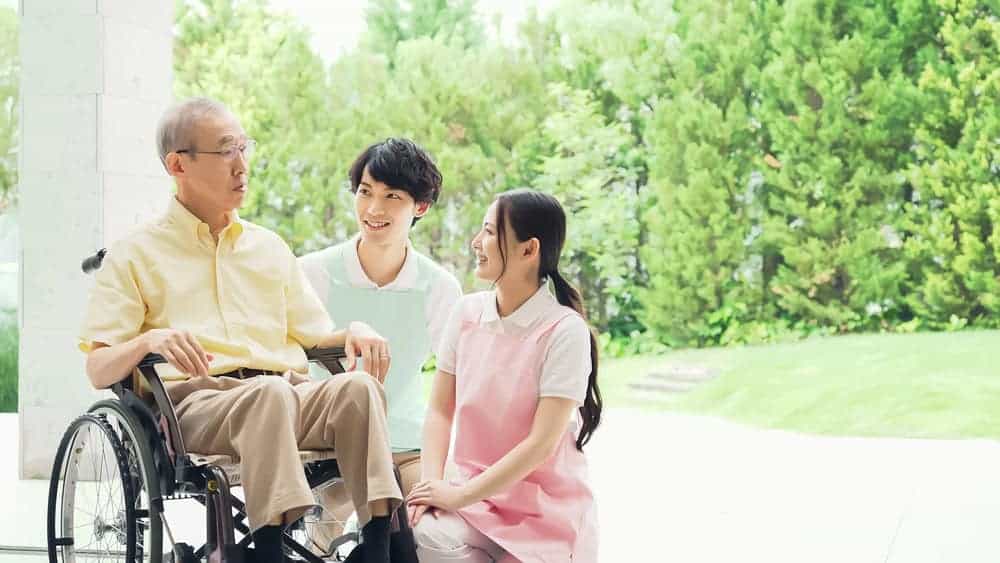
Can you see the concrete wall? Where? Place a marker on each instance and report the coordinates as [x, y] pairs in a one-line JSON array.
[[96, 75]]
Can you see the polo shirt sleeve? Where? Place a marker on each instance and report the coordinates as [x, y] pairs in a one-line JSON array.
[[447, 352], [566, 368], [308, 321], [444, 294], [115, 308]]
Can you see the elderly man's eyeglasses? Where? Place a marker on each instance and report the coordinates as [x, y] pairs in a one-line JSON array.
[[229, 153]]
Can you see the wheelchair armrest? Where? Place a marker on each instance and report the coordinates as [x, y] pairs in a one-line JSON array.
[[328, 357], [147, 367], [151, 360]]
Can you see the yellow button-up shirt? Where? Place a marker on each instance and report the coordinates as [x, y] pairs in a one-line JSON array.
[[245, 298]]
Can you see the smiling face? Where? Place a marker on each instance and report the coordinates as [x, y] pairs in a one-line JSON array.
[[491, 263], [384, 214]]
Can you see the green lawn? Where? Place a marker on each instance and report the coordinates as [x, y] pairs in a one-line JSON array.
[[942, 385]]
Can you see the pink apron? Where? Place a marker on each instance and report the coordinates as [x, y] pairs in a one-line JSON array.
[[550, 515]]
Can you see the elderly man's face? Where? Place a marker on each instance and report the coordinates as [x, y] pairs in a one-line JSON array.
[[217, 181]]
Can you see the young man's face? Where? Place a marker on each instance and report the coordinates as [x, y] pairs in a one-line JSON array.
[[217, 181], [384, 214]]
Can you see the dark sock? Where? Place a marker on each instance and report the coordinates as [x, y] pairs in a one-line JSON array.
[[267, 544], [402, 544], [375, 537], [403, 547]]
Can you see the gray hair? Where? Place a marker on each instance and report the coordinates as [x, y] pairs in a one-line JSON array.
[[176, 128]]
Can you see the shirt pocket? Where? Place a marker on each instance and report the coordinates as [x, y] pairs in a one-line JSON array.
[[255, 298]]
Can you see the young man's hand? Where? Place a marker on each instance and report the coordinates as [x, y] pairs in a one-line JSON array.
[[180, 348], [363, 342]]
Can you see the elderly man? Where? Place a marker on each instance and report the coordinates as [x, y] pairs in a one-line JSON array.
[[225, 303]]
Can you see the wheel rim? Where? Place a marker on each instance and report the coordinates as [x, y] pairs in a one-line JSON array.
[[96, 502]]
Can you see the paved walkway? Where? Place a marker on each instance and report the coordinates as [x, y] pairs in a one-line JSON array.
[[677, 488]]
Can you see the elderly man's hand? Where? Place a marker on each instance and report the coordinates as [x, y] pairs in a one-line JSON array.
[[180, 348], [363, 342]]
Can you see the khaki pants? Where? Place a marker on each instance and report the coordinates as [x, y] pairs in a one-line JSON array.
[[264, 422], [336, 500]]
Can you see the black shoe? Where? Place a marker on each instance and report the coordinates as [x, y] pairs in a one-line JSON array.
[[357, 554]]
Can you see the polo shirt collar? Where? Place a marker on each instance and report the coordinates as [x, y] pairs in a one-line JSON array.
[[188, 222], [405, 279], [526, 314]]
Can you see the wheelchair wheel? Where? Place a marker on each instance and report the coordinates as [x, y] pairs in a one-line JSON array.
[[91, 508], [142, 473]]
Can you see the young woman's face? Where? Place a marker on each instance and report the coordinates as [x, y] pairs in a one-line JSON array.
[[486, 248], [384, 214]]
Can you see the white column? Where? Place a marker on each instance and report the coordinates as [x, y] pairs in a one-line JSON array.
[[96, 75]]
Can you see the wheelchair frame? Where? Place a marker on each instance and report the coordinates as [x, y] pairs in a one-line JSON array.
[[157, 461]]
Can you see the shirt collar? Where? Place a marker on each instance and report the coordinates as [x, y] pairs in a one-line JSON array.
[[405, 279], [526, 314], [182, 217]]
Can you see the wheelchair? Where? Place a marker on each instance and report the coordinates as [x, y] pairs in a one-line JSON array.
[[119, 465]]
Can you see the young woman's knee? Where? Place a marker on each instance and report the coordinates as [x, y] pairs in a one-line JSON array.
[[436, 542]]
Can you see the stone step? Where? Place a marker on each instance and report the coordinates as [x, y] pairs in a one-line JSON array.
[[672, 380], [685, 373], [647, 386]]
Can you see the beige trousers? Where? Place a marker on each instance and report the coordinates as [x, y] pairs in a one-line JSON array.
[[264, 422]]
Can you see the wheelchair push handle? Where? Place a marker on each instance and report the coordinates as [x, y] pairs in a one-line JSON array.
[[93, 263]]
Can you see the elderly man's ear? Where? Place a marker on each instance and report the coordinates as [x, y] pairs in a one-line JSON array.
[[174, 164]]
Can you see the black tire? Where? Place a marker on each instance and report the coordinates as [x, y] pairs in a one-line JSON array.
[[145, 482], [92, 520]]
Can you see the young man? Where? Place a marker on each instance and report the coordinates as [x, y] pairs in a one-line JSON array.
[[377, 277], [225, 303]]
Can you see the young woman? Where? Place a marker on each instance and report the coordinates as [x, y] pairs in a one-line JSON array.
[[517, 374]]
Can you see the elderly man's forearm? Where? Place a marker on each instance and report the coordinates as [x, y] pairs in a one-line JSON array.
[[107, 365]]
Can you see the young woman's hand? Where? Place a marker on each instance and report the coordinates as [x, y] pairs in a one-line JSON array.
[[416, 512], [439, 494]]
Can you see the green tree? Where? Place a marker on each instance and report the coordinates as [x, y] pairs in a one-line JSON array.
[[587, 163], [10, 73], [703, 256], [391, 22], [953, 207], [620, 54], [836, 106]]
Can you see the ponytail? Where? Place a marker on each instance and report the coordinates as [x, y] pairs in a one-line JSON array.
[[590, 412]]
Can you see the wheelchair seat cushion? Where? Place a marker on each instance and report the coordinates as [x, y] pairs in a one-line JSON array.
[[231, 465]]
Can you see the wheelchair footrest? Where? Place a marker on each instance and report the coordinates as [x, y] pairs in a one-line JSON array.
[[182, 553]]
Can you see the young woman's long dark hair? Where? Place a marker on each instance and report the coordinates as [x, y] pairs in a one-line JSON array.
[[537, 215]]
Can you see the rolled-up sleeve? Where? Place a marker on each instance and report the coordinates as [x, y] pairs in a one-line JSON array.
[[115, 309], [308, 321]]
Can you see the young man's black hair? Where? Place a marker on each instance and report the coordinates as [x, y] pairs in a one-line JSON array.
[[401, 165]]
